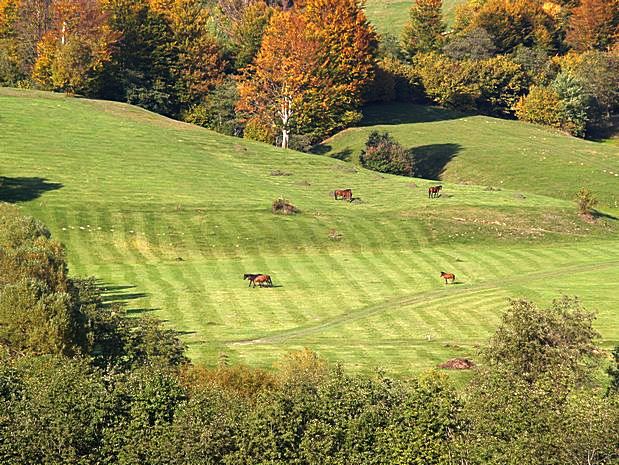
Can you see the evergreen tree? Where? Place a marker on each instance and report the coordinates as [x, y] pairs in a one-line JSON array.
[[425, 28]]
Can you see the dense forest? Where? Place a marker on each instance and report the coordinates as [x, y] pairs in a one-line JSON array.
[[81, 382], [294, 73]]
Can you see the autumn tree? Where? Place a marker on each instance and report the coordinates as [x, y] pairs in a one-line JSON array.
[[425, 28], [310, 71], [285, 75], [593, 25], [348, 45], [514, 22], [199, 64], [76, 48], [22, 25]]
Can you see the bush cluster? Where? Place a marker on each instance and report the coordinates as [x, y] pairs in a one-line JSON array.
[[384, 154]]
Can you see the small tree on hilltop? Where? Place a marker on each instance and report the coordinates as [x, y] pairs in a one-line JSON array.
[[384, 154], [586, 201]]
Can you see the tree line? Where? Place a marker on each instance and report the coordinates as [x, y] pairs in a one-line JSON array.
[[552, 63], [82, 383], [297, 72]]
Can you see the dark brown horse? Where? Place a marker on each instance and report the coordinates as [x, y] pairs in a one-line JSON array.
[[434, 191], [260, 279], [447, 276], [345, 194]]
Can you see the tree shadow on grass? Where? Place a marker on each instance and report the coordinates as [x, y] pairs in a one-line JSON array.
[[324, 149], [601, 215], [121, 295], [13, 190], [430, 161]]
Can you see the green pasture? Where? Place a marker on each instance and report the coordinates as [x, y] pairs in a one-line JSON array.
[[169, 216], [494, 152], [390, 16]]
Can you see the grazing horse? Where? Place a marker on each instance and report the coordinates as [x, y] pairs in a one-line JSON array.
[[345, 194], [260, 279], [447, 276], [434, 191]]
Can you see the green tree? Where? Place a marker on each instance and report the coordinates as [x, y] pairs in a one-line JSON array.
[[217, 109], [141, 68], [424, 31], [54, 410], [575, 104], [529, 402], [598, 74], [246, 33]]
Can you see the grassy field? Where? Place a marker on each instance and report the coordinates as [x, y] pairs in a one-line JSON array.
[[389, 16], [489, 151], [169, 216]]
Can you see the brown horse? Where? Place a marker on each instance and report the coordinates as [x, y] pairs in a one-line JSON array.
[[434, 191], [345, 194], [447, 276], [260, 279]]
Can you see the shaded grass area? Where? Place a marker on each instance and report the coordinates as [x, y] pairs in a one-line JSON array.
[[489, 151], [169, 217]]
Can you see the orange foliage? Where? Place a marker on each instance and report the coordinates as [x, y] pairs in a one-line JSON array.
[[78, 44], [311, 68], [593, 25], [284, 74], [200, 63]]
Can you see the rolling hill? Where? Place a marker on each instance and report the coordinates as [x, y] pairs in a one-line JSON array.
[[169, 216], [481, 150]]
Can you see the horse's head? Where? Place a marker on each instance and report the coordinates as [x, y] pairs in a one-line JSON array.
[[443, 273], [246, 276]]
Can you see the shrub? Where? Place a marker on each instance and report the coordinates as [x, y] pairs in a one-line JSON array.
[[282, 206], [384, 154], [586, 201]]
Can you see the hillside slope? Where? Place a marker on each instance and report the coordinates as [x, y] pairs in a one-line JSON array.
[[169, 216], [481, 150]]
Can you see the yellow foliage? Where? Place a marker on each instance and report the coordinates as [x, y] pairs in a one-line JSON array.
[[552, 9]]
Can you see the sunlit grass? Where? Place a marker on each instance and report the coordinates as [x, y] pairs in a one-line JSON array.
[[173, 215]]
